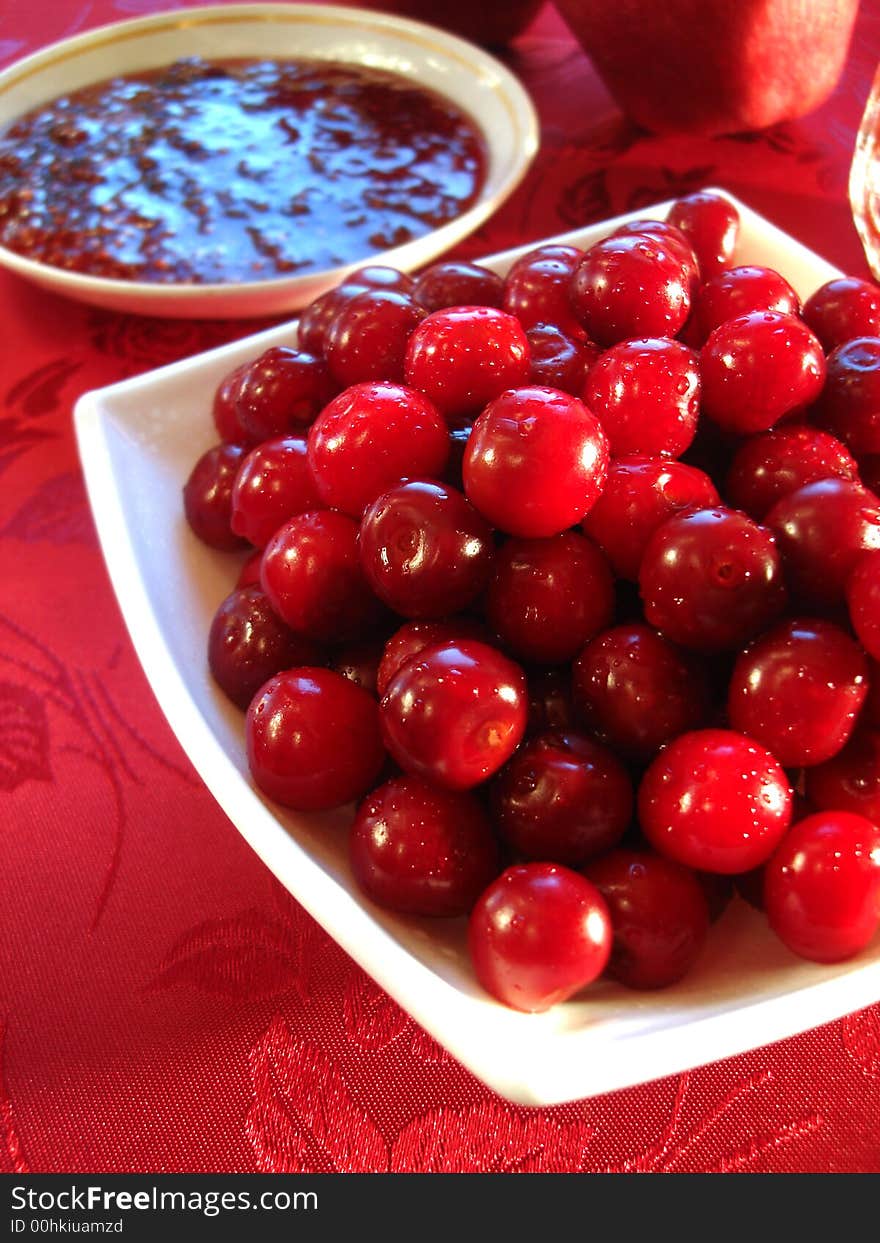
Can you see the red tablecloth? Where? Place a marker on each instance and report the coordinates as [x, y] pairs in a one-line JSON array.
[[164, 1005]]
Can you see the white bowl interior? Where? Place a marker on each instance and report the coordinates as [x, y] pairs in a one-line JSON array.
[[464, 73], [138, 442]]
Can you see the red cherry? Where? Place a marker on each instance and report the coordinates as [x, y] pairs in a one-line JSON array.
[[632, 285], [716, 801], [371, 437], [359, 662], [367, 338], [248, 643], [207, 496], [548, 597], [381, 276], [281, 391], [850, 780], [312, 574], [274, 483], [674, 239], [249, 574], [559, 360], [739, 291], [224, 408], [843, 309], [659, 917], [758, 368], [315, 319], [425, 550], [415, 636], [421, 850], [456, 283], [562, 798], [821, 530], [639, 494], [863, 599], [313, 739], [455, 713], [769, 466], [535, 462], [711, 579], [849, 406], [822, 886], [711, 224], [646, 394], [536, 289], [538, 935], [463, 357], [636, 691], [798, 690]]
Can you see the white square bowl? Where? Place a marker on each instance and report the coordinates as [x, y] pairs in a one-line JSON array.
[[138, 441]]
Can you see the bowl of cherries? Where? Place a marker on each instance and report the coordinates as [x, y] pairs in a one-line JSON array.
[[553, 598]]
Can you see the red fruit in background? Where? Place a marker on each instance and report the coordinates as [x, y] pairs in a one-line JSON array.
[[491, 24], [421, 850], [538, 935], [822, 886], [659, 916], [685, 66], [535, 462], [710, 222], [456, 283]]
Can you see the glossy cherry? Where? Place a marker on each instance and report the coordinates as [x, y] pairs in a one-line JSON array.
[[538, 935], [536, 289], [798, 690], [535, 462], [849, 406], [315, 319], [313, 739], [547, 597], [758, 368], [563, 798], [207, 496], [716, 801], [457, 283], [850, 780], [711, 224], [224, 407], [425, 550], [646, 394], [739, 291], [463, 357], [674, 239], [455, 713], [821, 530], [371, 437], [367, 338], [843, 309], [769, 466], [633, 285], [863, 600], [559, 360], [274, 483], [822, 886], [636, 691], [415, 636], [659, 916], [711, 579], [248, 643], [422, 850], [280, 391], [312, 574], [640, 493]]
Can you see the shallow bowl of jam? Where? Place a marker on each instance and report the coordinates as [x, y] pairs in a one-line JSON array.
[[237, 161]]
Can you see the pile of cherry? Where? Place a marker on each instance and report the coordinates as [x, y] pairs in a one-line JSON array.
[[571, 581]]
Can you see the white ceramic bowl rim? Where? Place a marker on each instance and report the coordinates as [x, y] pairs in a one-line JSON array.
[[435, 46]]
